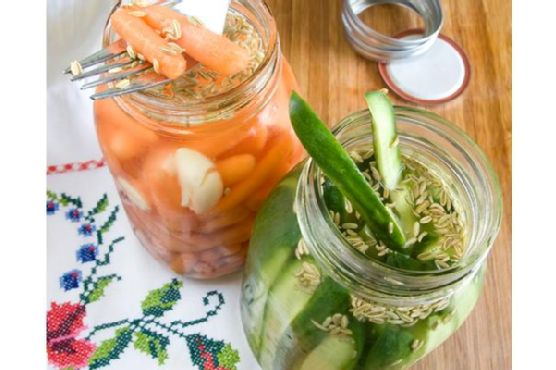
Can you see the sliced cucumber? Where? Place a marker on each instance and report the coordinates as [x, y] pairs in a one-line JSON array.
[[391, 345], [329, 299], [286, 298], [333, 353], [385, 138], [272, 246]]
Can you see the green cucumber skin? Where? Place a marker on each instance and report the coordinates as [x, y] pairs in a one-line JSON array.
[[285, 300], [388, 157], [271, 248], [328, 299], [342, 171]]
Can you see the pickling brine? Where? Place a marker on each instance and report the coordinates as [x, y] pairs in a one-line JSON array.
[[194, 160]]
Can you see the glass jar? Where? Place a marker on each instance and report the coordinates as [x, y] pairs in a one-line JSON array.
[[193, 167], [311, 301]]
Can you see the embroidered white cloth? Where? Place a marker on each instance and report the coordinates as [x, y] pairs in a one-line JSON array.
[[110, 304]]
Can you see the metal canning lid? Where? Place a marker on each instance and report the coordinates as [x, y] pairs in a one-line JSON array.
[[437, 76], [379, 47]]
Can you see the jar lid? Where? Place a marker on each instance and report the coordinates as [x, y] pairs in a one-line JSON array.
[[438, 75]]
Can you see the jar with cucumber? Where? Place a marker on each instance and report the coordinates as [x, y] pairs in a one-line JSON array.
[[373, 252]]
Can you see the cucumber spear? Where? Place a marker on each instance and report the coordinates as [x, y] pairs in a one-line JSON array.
[[385, 138], [336, 163]]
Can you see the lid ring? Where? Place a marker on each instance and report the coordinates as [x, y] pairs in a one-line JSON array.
[[374, 45]]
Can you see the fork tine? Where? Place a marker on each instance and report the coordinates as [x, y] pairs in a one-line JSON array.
[[101, 69], [116, 49], [115, 76], [110, 93], [100, 56]]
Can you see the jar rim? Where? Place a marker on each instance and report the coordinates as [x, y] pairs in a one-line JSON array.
[[222, 105], [369, 276]]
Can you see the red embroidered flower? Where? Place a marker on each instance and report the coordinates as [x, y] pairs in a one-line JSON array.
[[64, 322]]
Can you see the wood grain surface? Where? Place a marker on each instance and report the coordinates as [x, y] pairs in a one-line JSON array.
[[333, 78]]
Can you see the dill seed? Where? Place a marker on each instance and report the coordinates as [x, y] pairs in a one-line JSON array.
[[348, 206], [425, 220], [390, 228], [156, 65], [140, 56], [115, 70], [421, 236], [416, 228], [76, 68], [349, 225], [122, 84], [176, 28], [131, 52]]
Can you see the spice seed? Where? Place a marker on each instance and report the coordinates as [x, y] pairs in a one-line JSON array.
[[76, 68], [156, 65], [123, 84], [131, 52]]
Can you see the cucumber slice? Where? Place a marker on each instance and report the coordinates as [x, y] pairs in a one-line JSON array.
[[333, 353], [272, 246], [388, 157], [392, 344], [329, 299], [335, 162], [286, 298]]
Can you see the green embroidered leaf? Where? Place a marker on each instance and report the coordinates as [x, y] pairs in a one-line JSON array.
[[66, 199], [51, 195], [101, 206], [111, 349], [111, 219], [98, 289], [228, 357], [163, 299], [152, 344]]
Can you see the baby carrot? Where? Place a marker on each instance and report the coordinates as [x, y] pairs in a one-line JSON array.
[[214, 51], [225, 219], [146, 41], [281, 149], [234, 169], [253, 143]]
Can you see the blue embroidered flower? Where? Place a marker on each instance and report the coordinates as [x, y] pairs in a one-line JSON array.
[[87, 229], [87, 253], [74, 215], [70, 280], [51, 207]]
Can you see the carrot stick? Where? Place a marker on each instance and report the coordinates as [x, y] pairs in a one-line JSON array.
[[214, 51], [145, 41], [253, 143], [278, 152], [226, 219], [234, 169]]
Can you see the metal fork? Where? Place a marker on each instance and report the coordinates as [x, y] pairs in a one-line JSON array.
[[114, 63]]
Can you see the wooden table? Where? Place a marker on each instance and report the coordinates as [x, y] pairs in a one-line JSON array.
[[333, 78]]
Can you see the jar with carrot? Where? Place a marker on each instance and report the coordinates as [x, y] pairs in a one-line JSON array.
[[193, 160]]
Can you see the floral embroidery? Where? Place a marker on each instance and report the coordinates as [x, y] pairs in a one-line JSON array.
[[70, 280], [74, 215], [64, 323], [87, 253], [149, 333]]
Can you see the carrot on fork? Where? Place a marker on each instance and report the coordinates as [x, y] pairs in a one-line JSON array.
[[210, 49], [145, 41]]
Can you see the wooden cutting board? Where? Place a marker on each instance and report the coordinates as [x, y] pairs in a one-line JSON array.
[[333, 79]]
